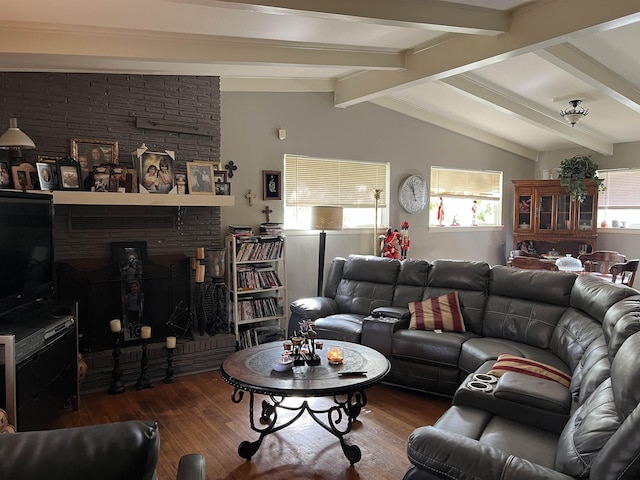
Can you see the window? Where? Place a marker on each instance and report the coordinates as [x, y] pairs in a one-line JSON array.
[[342, 183], [459, 195], [619, 204]]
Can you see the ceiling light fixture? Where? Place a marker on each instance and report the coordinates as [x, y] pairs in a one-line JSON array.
[[575, 113]]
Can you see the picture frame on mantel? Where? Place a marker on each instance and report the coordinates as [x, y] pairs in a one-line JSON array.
[[156, 173], [5, 175], [70, 177], [200, 178], [25, 177], [94, 152]]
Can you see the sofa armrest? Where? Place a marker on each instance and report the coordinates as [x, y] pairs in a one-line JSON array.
[[314, 307], [377, 332], [442, 454], [535, 392], [99, 452], [192, 467], [402, 313], [522, 398], [310, 308]]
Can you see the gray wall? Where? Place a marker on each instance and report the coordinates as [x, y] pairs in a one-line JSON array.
[[362, 132]]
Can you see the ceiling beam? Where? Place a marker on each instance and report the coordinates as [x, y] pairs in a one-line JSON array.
[[515, 105], [590, 71], [535, 26], [38, 39], [422, 14], [450, 124]]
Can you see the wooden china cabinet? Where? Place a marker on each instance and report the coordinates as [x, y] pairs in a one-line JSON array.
[[545, 214]]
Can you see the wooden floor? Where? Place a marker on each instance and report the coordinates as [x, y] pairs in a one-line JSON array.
[[196, 414]]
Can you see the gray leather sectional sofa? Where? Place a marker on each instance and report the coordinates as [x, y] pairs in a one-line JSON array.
[[525, 427]]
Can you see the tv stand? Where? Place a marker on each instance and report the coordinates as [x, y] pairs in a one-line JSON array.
[[40, 366]]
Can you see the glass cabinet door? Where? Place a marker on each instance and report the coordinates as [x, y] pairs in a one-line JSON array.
[[523, 220], [563, 213], [586, 215], [545, 212]]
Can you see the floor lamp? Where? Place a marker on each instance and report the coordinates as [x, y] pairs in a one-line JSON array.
[[324, 218]]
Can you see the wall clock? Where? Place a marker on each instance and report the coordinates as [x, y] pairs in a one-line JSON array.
[[413, 194]]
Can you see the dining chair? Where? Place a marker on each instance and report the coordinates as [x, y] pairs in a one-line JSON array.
[[530, 263], [627, 272], [601, 260]]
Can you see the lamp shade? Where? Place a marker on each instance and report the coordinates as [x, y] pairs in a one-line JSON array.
[[15, 138], [326, 218]]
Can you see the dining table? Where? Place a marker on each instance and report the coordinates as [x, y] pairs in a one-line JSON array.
[[605, 276]]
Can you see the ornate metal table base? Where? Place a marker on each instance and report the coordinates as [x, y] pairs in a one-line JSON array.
[[339, 418]]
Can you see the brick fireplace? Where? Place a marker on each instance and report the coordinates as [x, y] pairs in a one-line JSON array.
[[56, 107]]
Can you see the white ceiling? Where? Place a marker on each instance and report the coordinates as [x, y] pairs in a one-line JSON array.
[[495, 70]]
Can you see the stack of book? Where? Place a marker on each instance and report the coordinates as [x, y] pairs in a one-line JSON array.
[[258, 277], [259, 248], [271, 228], [240, 231], [259, 335], [252, 308]]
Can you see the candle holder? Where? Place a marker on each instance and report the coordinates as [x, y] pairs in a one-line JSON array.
[[143, 379], [169, 378], [116, 385]]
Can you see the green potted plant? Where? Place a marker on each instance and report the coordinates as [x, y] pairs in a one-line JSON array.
[[575, 172]]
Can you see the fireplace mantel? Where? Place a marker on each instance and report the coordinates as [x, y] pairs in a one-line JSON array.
[[64, 197]]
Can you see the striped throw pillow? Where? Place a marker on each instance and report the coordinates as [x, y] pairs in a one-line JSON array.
[[441, 313], [511, 363]]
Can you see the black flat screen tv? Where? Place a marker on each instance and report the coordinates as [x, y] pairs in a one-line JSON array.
[[26, 249]]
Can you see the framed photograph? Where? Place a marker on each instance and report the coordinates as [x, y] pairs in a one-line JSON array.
[[216, 165], [223, 188], [272, 185], [200, 178], [5, 175], [156, 172], [100, 177], [45, 175], [219, 176], [70, 177], [53, 161], [91, 153], [25, 177]]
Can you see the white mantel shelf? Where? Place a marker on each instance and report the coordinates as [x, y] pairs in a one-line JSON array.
[[64, 197]]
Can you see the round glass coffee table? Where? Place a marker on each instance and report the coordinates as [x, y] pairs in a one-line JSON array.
[[250, 370]]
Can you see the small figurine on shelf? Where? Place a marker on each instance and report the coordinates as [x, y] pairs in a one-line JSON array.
[[455, 222], [440, 216], [392, 246], [405, 243], [474, 210]]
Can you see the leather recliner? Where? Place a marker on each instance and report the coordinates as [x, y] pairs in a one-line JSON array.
[[98, 452]]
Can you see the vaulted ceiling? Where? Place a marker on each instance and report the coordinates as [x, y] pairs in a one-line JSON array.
[[498, 71]]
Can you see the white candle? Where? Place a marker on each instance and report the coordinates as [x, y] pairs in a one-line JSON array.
[[171, 342], [200, 253], [200, 274], [145, 332], [115, 325]]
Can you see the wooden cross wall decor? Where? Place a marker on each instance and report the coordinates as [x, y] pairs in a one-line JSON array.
[[231, 167], [266, 210], [250, 195]]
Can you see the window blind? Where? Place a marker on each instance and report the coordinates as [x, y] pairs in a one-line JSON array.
[[480, 184], [317, 181], [622, 188]]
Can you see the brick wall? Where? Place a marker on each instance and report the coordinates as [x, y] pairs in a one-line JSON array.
[[52, 108]]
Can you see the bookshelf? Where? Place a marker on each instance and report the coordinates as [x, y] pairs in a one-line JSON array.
[[257, 288]]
